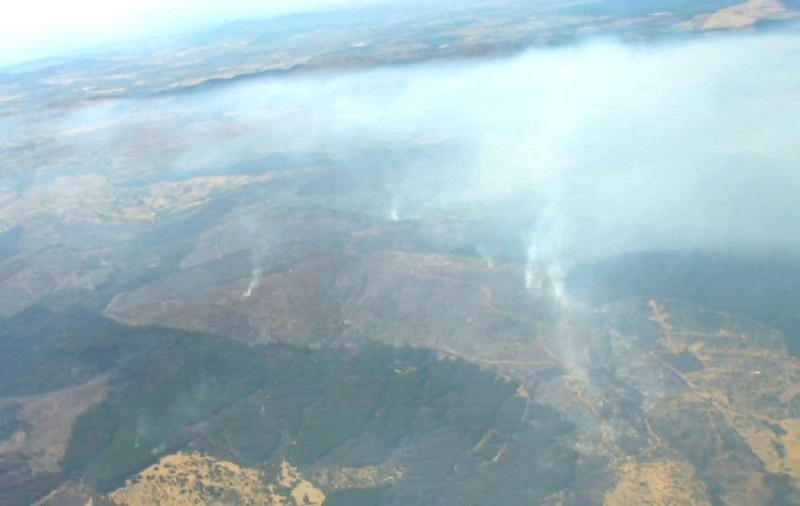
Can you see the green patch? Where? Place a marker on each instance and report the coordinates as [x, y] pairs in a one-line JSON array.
[[169, 382], [259, 405], [355, 497], [9, 424]]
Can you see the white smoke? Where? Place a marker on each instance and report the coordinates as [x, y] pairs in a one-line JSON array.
[[255, 280], [546, 252], [589, 150], [487, 254]]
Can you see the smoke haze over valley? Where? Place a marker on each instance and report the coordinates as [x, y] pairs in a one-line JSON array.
[[490, 253], [593, 149]]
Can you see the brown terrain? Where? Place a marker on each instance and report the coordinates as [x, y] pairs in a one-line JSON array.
[[187, 479], [683, 363], [671, 403], [745, 14]]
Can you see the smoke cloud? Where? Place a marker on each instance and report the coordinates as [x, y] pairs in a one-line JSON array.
[[588, 150], [581, 151]]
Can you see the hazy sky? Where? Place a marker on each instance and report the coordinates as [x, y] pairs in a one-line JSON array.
[[36, 28]]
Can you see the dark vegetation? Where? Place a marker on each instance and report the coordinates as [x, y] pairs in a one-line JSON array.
[[764, 288], [355, 497], [700, 433], [259, 405], [42, 351], [19, 486], [685, 362], [167, 381], [9, 424]]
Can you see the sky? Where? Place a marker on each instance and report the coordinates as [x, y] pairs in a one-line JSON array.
[[32, 29]]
